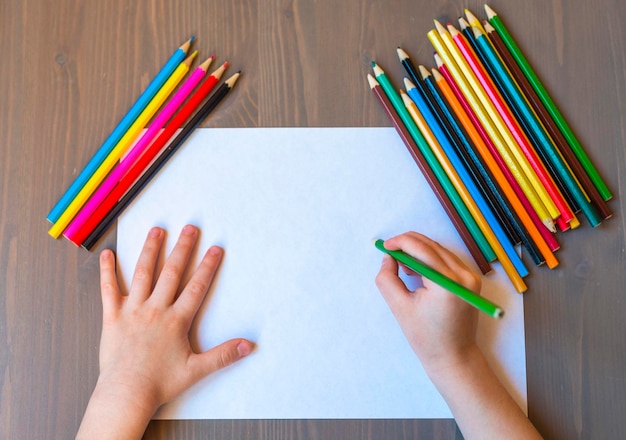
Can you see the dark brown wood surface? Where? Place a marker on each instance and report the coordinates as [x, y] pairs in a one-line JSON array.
[[69, 70]]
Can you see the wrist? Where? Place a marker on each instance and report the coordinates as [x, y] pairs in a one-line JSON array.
[[116, 411], [131, 392], [448, 368]]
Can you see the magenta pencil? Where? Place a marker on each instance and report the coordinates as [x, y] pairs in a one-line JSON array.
[[144, 142]]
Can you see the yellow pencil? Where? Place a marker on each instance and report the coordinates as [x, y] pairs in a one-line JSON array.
[[491, 238], [473, 20], [443, 56], [508, 138], [120, 148]]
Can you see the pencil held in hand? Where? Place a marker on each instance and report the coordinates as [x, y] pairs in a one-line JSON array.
[[475, 300]]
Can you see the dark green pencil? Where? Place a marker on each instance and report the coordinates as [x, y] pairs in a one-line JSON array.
[[482, 304]]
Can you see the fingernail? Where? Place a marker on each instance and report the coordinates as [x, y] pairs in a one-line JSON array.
[[215, 251], [155, 232], [244, 348], [189, 230], [106, 254]]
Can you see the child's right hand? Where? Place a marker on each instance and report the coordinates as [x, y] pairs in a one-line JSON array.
[[440, 327]]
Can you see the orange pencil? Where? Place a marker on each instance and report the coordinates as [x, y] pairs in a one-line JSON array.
[[524, 213], [512, 124]]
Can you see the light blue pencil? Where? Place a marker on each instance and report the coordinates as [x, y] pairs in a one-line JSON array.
[[118, 132]]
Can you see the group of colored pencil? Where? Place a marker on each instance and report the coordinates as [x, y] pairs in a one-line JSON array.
[[493, 146], [131, 156]]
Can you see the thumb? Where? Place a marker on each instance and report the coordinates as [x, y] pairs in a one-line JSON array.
[[392, 288], [221, 356]]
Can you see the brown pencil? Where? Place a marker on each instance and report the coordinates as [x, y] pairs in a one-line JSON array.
[[548, 122], [419, 159]]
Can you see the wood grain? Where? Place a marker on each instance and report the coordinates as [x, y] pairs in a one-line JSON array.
[[70, 69]]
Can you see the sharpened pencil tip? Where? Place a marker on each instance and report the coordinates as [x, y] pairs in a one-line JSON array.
[[440, 28], [470, 16], [372, 81], [550, 225], [402, 54], [490, 12], [187, 44]]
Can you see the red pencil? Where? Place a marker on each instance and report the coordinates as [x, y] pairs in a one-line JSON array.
[[543, 230], [144, 161], [512, 124]]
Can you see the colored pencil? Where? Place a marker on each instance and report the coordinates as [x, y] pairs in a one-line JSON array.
[[548, 123], [472, 298], [469, 35], [473, 162], [206, 109], [547, 101], [466, 30], [433, 163], [545, 168], [431, 179], [489, 126], [508, 184], [122, 127], [472, 19], [544, 142], [146, 159], [544, 181], [458, 174], [471, 150], [459, 141], [138, 149], [124, 143], [493, 151], [497, 242]]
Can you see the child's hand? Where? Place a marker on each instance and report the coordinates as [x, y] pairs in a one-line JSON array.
[[440, 327], [146, 359]]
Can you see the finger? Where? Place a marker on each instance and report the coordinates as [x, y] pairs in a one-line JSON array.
[[109, 287], [436, 256], [459, 271], [392, 288], [167, 285], [219, 357], [194, 292], [141, 285], [420, 247]]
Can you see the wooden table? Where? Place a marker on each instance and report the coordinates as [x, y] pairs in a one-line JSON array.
[[69, 70]]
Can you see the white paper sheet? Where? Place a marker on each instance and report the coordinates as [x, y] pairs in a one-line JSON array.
[[295, 210]]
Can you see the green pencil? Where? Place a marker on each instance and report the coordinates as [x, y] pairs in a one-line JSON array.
[[548, 103], [482, 304]]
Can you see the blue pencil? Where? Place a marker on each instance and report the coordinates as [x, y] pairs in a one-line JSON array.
[[118, 132], [459, 167]]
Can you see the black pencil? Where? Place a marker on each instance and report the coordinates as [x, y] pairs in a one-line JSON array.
[[193, 123]]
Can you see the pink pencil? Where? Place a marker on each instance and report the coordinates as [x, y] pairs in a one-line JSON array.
[[144, 142]]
